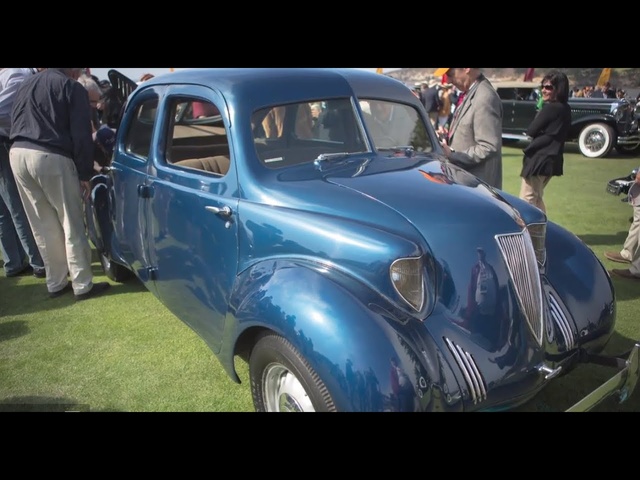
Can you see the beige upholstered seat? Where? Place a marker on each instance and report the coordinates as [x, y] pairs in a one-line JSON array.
[[178, 153], [218, 164]]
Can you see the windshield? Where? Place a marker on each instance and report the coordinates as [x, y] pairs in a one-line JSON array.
[[395, 125], [301, 132]]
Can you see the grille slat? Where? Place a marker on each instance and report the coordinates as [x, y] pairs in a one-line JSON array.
[[470, 371], [520, 258]]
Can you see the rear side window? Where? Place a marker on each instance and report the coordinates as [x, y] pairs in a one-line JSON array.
[[197, 137], [138, 136], [507, 93]]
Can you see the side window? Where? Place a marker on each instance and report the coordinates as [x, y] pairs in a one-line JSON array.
[[138, 136], [507, 93], [274, 122], [395, 125], [292, 134], [197, 138]]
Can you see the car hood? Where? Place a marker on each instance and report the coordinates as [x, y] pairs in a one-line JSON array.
[[426, 192], [412, 196]]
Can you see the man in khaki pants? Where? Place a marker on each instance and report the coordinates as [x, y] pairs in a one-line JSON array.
[[52, 162], [630, 252]]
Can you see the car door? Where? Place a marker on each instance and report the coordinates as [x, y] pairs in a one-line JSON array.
[[192, 222], [129, 196], [507, 95], [524, 109]]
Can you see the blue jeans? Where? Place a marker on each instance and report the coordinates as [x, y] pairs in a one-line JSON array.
[[16, 238]]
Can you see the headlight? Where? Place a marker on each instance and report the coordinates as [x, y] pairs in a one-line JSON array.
[[538, 234], [618, 111], [407, 278]]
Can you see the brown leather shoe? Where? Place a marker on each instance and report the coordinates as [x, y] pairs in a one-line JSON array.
[[96, 289], [625, 273], [616, 257]]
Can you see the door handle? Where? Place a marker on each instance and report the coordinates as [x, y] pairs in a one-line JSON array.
[[223, 212]]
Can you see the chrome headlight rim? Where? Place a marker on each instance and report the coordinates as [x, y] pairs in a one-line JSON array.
[[407, 275]]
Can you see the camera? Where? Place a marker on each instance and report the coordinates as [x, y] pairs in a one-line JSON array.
[[618, 186]]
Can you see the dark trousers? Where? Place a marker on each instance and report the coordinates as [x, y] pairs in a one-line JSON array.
[[17, 243]]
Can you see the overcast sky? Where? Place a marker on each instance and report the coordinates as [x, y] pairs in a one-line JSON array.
[[136, 73]]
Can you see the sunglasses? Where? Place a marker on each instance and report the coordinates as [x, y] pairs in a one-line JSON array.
[[547, 87]]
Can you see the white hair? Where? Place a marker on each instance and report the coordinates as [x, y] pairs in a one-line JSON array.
[[90, 84]]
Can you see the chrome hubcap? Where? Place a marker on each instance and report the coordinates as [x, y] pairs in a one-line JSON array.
[[595, 141], [283, 392]]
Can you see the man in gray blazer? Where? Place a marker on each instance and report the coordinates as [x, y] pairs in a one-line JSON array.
[[475, 136]]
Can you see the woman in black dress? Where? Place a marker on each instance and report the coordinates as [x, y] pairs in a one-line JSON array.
[[544, 156]]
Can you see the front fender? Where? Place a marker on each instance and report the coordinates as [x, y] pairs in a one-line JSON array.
[[342, 328], [580, 123], [583, 285]]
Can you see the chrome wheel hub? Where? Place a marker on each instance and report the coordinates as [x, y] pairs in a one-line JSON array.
[[595, 141], [283, 392]]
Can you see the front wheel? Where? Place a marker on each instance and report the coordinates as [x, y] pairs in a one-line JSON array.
[[596, 140], [283, 381]]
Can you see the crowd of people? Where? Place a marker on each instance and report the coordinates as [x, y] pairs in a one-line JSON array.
[[57, 129], [603, 91]]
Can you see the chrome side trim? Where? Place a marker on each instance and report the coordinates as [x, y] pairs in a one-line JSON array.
[[520, 258], [469, 368]]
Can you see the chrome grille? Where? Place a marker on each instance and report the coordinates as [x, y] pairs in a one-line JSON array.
[[521, 262], [560, 319], [469, 368]]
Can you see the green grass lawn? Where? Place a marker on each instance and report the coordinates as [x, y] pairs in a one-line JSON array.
[[125, 352]]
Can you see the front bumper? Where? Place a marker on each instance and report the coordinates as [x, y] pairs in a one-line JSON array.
[[629, 140], [621, 384], [629, 136], [621, 185]]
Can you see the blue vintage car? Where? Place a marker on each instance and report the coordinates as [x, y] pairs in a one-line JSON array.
[[341, 255]]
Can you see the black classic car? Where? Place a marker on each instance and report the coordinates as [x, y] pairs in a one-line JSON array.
[[597, 124]]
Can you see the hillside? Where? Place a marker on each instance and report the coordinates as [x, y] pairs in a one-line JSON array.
[[620, 77]]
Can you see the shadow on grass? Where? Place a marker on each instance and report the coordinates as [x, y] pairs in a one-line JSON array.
[[12, 330], [604, 239], [43, 404], [28, 298], [626, 289]]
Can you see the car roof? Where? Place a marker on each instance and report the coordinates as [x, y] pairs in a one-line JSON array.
[[516, 84], [269, 86]]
